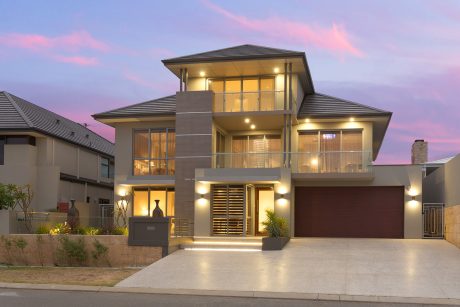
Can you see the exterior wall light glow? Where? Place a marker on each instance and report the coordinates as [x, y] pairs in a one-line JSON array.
[[352, 119], [247, 120], [314, 161], [307, 120], [202, 74], [253, 126], [276, 70]]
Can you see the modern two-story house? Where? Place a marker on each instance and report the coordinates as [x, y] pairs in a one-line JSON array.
[[247, 132]]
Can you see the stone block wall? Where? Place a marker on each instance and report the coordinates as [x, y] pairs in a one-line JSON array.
[[42, 250], [452, 224]]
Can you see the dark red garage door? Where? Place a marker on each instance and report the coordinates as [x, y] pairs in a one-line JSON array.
[[352, 212]]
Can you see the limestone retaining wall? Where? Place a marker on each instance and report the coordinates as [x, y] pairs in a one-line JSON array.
[[452, 223], [43, 250]]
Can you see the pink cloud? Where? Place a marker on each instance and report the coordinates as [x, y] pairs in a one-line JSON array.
[[162, 86], [334, 39], [78, 60], [55, 48], [35, 42]]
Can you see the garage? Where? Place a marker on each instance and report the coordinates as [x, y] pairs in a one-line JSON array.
[[349, 212]]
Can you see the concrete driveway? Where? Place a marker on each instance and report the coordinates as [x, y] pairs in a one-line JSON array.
[[361, 267]]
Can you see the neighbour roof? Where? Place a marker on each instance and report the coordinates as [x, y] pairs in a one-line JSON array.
[[320, 105], [235, 53], [440, 161], [19, 114], [161, 106]]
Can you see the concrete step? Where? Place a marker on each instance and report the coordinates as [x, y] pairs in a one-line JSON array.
[[225, 244]]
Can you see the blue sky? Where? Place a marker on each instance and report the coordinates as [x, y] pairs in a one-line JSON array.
[[83, 57]]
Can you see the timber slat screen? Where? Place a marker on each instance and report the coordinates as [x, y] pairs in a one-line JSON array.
[[228, 210]]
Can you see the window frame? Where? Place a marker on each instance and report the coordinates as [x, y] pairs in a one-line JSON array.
[[149, 159], [242, 92], [319, 131], [166, 189]]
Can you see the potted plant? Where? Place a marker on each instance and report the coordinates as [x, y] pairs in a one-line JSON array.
[[277, 230], [7, 203]]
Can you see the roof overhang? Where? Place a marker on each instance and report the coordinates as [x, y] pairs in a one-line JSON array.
[[133, 118], [244, 66]]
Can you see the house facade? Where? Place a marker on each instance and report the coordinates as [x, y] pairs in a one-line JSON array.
[[60, 159], [247, 132]]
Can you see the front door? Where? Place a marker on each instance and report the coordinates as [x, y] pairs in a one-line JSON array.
[[265, 200], [228, 209]]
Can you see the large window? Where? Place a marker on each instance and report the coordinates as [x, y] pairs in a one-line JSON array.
[[330, 151], [243, 95], [256, 151], [154, 151], [144, 200]]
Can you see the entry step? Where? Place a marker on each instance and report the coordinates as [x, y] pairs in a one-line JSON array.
[[225, 244]]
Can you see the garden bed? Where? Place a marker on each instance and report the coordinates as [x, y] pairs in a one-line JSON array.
[[74, 250]]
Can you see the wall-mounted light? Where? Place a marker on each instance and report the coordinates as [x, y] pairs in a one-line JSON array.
[[411, 191], [201, 196]]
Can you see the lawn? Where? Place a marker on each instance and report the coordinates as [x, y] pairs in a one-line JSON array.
[[65, 276]]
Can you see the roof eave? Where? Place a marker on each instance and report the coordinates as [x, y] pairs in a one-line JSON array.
[[232, 58]]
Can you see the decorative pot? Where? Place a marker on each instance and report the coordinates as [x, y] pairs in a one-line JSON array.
[[157, 212]]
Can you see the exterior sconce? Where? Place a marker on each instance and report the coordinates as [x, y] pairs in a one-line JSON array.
[[201, 196], [282, 196], [413, 197]]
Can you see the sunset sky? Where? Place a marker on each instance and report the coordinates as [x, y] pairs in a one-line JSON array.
[[78, 58]]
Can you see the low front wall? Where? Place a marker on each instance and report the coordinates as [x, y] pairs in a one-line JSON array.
[[42, 250], [452, 223]]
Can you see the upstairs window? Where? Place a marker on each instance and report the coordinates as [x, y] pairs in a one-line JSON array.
[[244, 95], [154, 152], [106, 168]]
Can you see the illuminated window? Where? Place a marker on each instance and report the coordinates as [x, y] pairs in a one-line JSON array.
[[154, 152], [144, 196]]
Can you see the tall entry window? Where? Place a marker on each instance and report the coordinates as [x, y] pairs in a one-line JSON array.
[[154, 152], [144, 200], [244, 95], [330, 151]]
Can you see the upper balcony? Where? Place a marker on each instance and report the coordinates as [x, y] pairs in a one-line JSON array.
[[255, 101], [311, 163]]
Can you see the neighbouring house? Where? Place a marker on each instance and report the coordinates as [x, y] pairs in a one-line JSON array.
[[60, 159], [247, 132], [441, 199]]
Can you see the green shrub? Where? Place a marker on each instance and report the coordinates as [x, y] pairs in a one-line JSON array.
[[275, 226], [72, 251], [7, 245], [60, 229], [100, 251], [120, 231], [91, 231], [43, 230]]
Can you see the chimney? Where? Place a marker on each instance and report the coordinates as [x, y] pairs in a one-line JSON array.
[[419, 152]]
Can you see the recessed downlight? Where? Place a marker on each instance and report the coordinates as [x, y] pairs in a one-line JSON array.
[[276, 70], [253, 126], [307, 120], [352, 119], [247, 120], [202, 73]]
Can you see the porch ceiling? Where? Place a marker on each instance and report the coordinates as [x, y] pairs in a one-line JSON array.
[[236, 121]]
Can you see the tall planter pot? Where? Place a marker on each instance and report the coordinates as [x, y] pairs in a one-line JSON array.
[[7, 222], [273, 244]]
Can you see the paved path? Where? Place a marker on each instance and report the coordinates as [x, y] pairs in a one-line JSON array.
[[50, 298], [360, 267]]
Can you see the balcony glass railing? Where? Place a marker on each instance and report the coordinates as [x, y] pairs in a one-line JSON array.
[[301, 162], [249, 101], [248, 160], [331, 162]]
